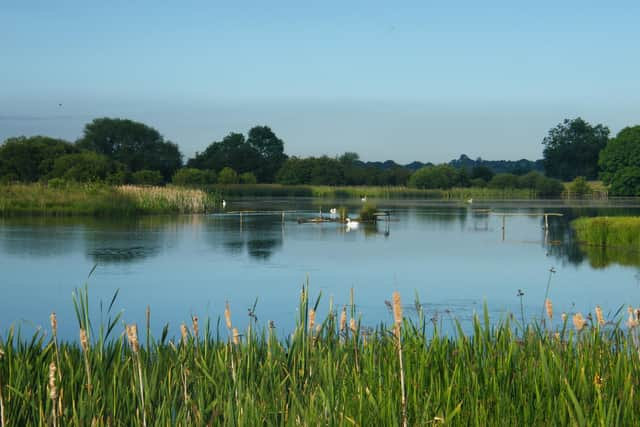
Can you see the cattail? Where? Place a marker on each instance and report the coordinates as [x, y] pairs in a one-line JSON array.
[[353, 325], [599, 315], [227, 315], [53, 391], [632, 322], [236, 336], [184, 332], [343, 319], [312, 318], [549, 307], [132, 335], [318, 329], [84, 340], [54, 324], [196, 328], [579, 322], [397, 309], [563, 317]]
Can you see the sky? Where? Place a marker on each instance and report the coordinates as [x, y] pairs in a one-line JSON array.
[[410, 80]]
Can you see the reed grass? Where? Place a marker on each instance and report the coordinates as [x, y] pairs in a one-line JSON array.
[[94, 199], [405, 372], [604, 231]]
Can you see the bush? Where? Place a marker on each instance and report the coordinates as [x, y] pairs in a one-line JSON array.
[[441, 176], [368, 211], [478, 182], [228, 176], [146, 177], [57, 183], [118, 178], [503, 181], [86, 166], [549, 187], [248, 178], [579, 187], [626, 182], [530, 180], [194, 177]]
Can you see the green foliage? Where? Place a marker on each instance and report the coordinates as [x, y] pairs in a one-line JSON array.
[[194, 177], [270, 151], [482, 172], [619, 162], [248, 178], [572, 149], [504, 180], [85, 166], [134, 144], [495, 374], [432, 177], [228, 176], [146, 177], [579, 187], [609, 231], [31, 159], [549, 187]]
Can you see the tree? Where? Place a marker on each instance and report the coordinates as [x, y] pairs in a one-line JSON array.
[[248, 178], [619, 159], [134, 144], [228, 176], [31, 159], [270, 151], [572, 149], [192, 176], [86, 166], [440, 176], [232, 152], [147, 177]]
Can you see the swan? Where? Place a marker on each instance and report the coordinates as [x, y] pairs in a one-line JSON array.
[[352, 224], [364, 198], [333, 211], [224, 204], [470, 201]]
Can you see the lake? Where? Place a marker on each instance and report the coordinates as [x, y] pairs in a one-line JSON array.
[[454, 256]]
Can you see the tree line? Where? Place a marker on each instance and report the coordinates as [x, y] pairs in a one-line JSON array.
[[121, 151]]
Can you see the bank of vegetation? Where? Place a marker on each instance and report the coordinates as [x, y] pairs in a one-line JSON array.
[[567, 370], [96, 199], [606, 232]]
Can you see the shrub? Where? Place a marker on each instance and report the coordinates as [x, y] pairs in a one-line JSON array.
[[86, 166], [626, 182], [194, 177], [228, 176], [579, 187], [146, 177], [368, 211], [248, 178], [549, 187], [503, 181]]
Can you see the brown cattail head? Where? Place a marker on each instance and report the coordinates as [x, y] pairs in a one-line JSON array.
[[53, 391], [84, 340], [194, 324], [632, 322], [599, 315], [312, 318], [397, 309], [579, 322], [549, 307], [132, 335], [343, 318], [227, 315], [236, 336], [184, 332], [1, 353], [54, 324], [353, 325]]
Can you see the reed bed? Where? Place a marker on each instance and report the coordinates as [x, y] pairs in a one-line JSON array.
[[576, 371], [604, 231], [169, 199], [399, 192]]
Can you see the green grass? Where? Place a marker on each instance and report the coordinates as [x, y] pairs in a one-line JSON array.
[[604, 231], [100, 200], [336, 373], [326, 191]]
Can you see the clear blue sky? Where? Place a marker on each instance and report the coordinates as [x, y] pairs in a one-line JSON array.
[[390, 80]]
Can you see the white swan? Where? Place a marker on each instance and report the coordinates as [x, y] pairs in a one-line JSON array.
[[352, 224], [224, 204], [470, 201], [333, 211], [364, 198]]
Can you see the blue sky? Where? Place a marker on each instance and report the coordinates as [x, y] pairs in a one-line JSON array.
[[403, 81]]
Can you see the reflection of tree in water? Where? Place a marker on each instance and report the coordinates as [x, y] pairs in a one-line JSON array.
[[39, 237], [260, 235], [443, 216]]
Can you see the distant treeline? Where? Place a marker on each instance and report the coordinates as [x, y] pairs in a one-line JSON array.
[[121, 151]]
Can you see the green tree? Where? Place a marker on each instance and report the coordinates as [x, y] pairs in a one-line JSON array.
[[572, 149], [31, 159], [440, 176], [147, 177], [248, 178], [134, 144], [504, 180], [228, 176], [194, 177], [232, 152], [270, 150], [620, 154], [85, 166]]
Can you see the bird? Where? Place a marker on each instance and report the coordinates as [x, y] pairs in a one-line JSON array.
[[363, 198], [224, 204], [469, 201], [352, 224], [333, 211]]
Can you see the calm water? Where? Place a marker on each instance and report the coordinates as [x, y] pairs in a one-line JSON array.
[[452, 255]]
